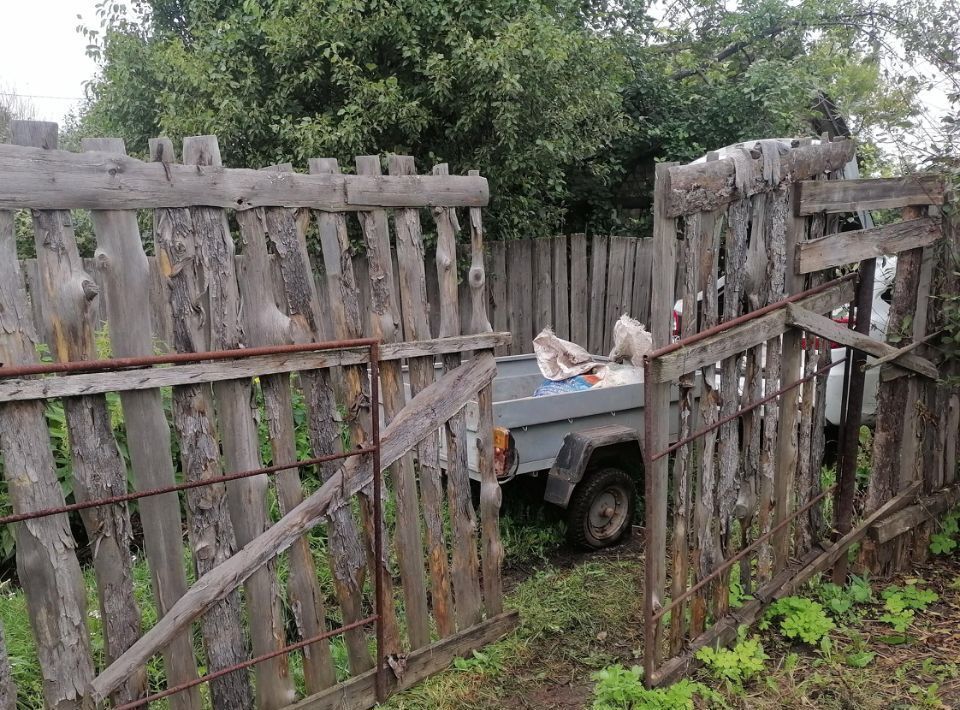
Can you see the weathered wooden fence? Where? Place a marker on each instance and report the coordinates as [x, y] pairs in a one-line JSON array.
[[444, 576], [577, 285], [745, 473]]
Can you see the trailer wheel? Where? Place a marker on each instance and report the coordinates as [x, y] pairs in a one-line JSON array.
[[601, 509]]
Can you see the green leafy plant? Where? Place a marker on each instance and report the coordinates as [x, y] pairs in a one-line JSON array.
[[902, 603], [860, 659], [842, 602], [945, 541], [800, 618], [618, 688], [738, 664]]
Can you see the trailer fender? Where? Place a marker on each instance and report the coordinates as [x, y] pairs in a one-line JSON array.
[[614, 444]]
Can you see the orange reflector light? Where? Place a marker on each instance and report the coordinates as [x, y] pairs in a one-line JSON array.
[[501, 438]]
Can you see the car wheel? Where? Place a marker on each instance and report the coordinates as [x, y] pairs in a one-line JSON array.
[[601, 510]]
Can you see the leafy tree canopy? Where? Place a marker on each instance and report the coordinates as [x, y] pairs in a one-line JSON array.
[[563, 104]]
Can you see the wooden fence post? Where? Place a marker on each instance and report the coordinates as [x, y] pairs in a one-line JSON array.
[[46, 563]]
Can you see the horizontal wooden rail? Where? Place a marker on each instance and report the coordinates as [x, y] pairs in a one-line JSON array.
[[835, 332], [845, 248], [358, 693], [670, 366], [35, 178], [926, 508], [703, 187], [152, 377], [868, 194]]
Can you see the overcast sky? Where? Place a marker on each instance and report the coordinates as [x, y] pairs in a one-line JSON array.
[[42, 54]]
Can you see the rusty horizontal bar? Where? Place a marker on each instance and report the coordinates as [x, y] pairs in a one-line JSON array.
[[745, 410], [246, 664], [123, 363], [727, 564], [113, 500], [745, 318]]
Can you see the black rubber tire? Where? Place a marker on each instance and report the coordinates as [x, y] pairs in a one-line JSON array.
[[596, 483]]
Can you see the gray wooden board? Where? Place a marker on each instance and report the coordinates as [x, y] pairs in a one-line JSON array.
[[869, 193], [579, 294], [845, 248]]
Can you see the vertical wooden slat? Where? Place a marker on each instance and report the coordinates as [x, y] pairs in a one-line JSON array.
[[615, 276], [520, 294], [629, 264], [209, 527], [67, 296], [598, 287], [579, 285], [640, 308], [124, 265], [466, 563], [561, 288], [384, 319], [262, 288], [46, 564], [787, 453], [341, 281], [777, 265], [477, 278], [706, 554], [246, 498], [498, 291], [685, 462], [414, 302], [657, 399], [543, 285]]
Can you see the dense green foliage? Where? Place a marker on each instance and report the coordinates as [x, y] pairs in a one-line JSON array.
[[563, 104]]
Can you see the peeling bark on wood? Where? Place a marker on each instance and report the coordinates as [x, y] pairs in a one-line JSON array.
[[416, 324], [247, 498], [209, 527], [420, 418], [46, 563]]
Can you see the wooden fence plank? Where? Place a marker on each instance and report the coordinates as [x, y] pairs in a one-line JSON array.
[[347, 324], [629, 266], [834, 332], [246, 498], [109, 181], [790, 370], [266, 324], [658, 400], [145, 378], [46, 563], [520, 267], [125, 270], [643, 262], [615, 274], [742, 337], [498, 290], [408, 537], [209, 527], [360, 693], [869, 193], [67, 300], [415, 315], [543, 285], [419, 419], [465, 560], [845, 248], [579, 290], [561, 288], [598, 271]]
